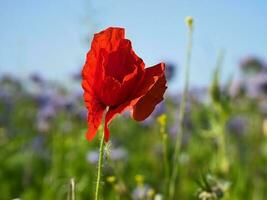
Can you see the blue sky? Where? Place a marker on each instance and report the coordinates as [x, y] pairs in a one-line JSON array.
[[52, 37]]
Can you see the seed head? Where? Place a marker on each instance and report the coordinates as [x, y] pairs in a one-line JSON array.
[[189, 21]]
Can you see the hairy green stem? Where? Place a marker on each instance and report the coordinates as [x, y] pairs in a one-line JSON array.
[[181, 117], [99, 167]]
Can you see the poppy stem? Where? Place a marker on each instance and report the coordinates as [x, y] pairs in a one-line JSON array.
[[180, 130], [100, 166]]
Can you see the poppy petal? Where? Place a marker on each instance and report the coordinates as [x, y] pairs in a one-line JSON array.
[[113, 93], [150, 93], [146, 104], [123, 61], [107, 40], [155, 84], [95, 112], [94, 119], [151, 75], [112, 112]]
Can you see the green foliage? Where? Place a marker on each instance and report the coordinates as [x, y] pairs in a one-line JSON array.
[[216, 161]]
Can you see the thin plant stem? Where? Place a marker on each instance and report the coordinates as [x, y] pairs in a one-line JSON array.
[[224, 164], [180, 131], [166, 163], [219, 105], [99, 167], [166, 167], [71, 193], [164, 137]]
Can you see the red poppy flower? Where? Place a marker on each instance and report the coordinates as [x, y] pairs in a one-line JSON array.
[[114, 79]]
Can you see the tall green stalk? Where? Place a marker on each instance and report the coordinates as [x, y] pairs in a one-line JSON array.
[[221, 106], [162, 121], [180, 131], [166, 162], [99, 167], [71, 192]]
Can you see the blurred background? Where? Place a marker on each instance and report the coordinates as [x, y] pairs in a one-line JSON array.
[[52, 38], [43, 45]]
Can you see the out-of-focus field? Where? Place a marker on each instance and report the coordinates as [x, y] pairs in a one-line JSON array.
[[223, 154]]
